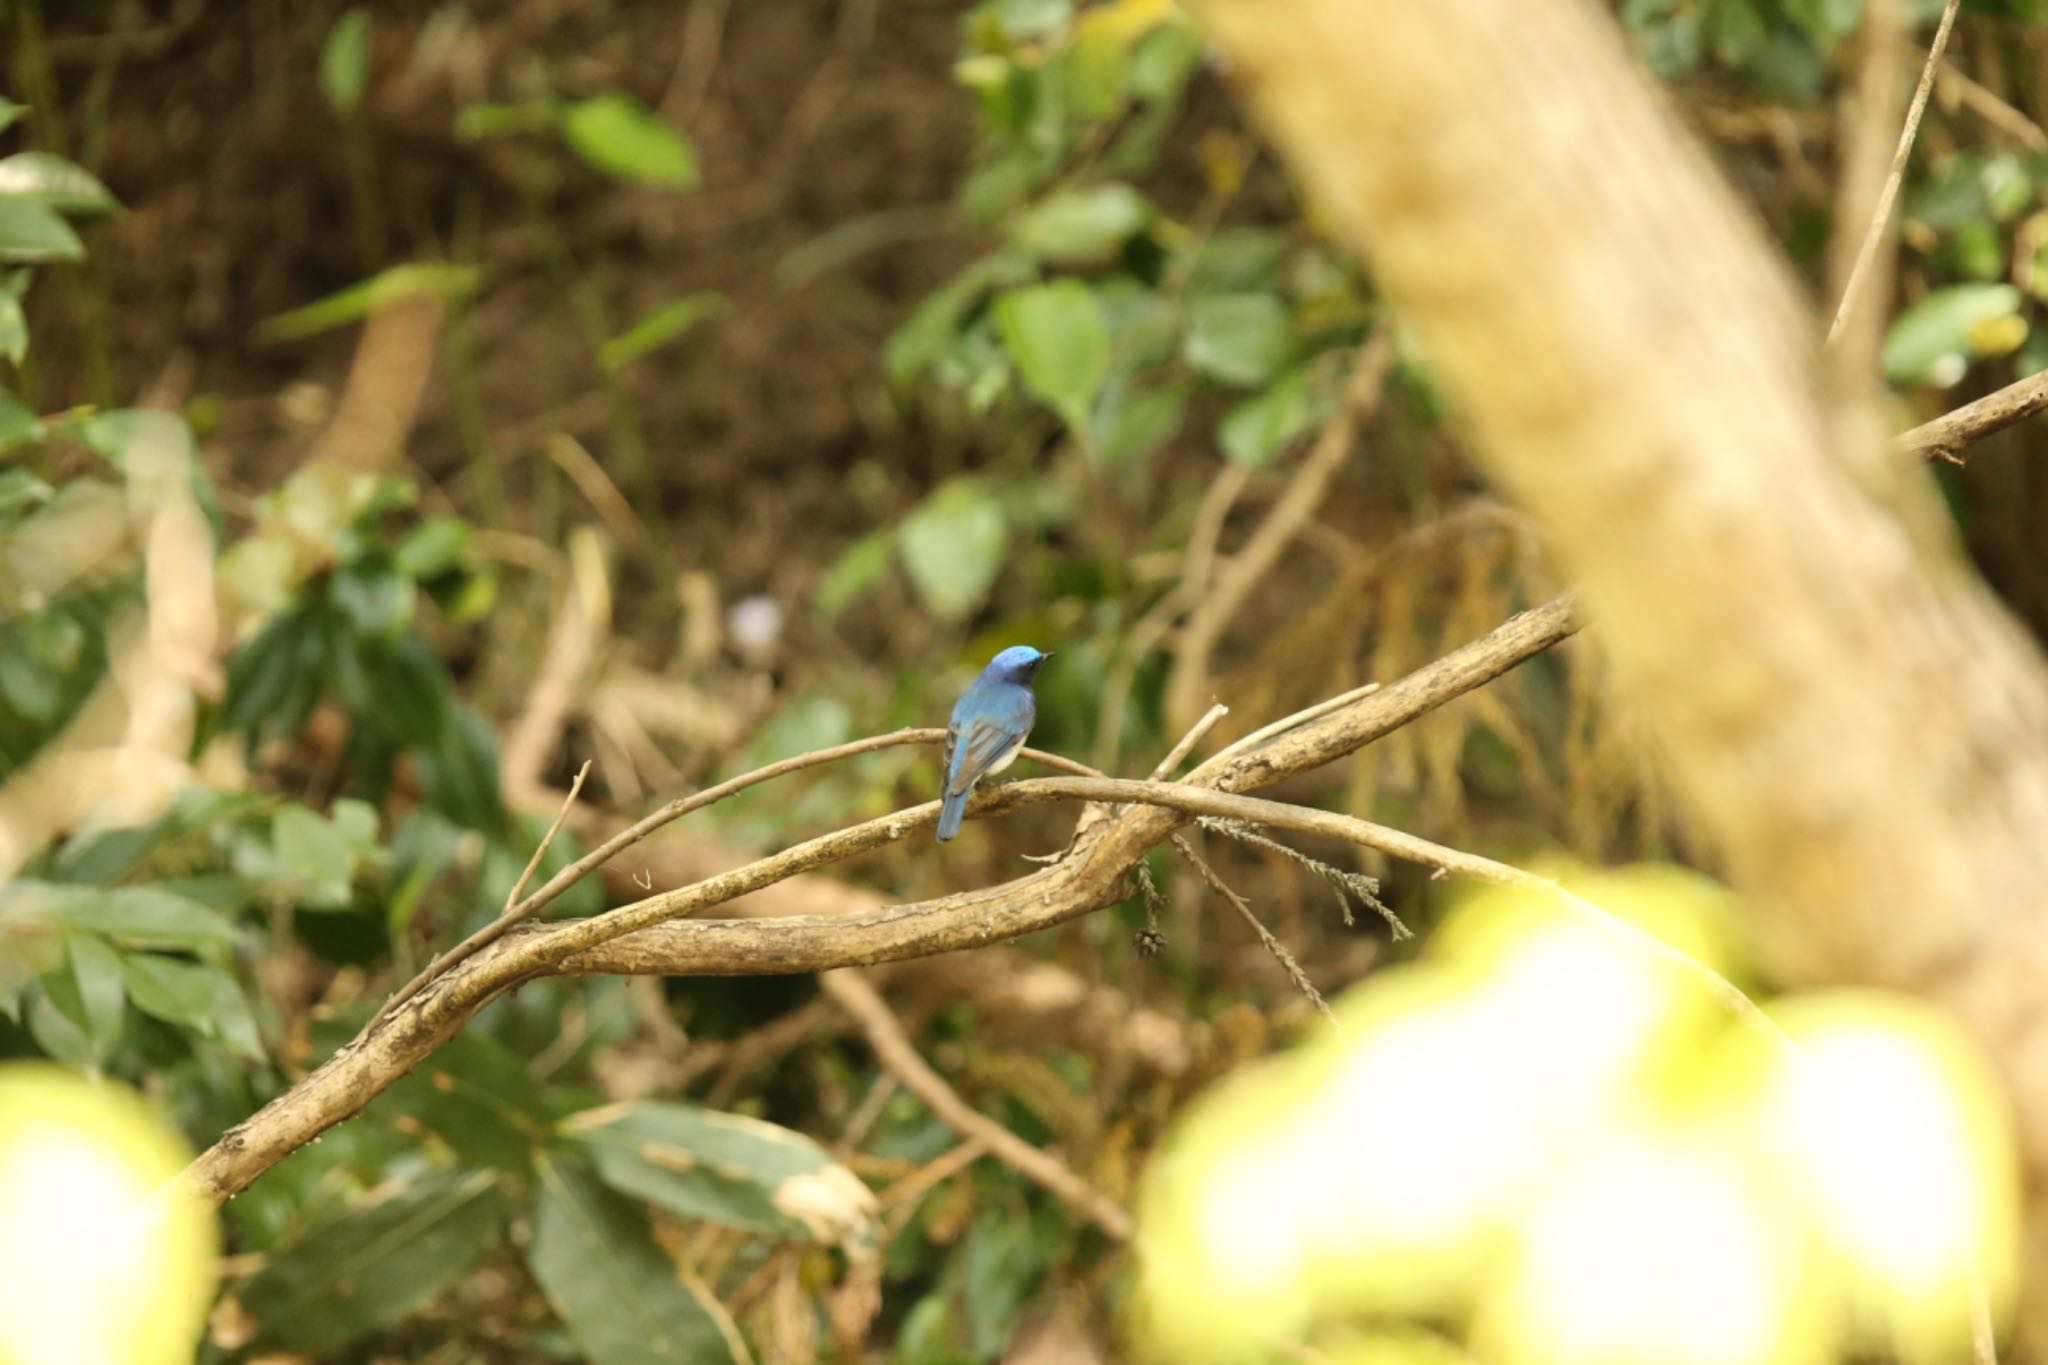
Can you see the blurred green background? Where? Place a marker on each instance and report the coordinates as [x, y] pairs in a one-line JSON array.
[[403, 403]]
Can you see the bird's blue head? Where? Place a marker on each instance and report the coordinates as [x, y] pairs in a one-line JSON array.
[[1017, 664]]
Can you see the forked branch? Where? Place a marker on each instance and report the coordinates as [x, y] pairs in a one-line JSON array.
[[652, 935]]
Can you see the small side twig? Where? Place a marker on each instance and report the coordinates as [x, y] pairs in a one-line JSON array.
[[1189, 740], [1366, 889], [1947, 434], [1151, 940], [1286, 723], [1880, 218], [1304, 494], [512, 914], [894, 1049], [1273, 945]]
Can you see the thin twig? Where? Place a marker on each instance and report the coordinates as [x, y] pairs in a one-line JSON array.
[[675, 810], [1874, 234], [509, 916], [1273, 945], [648, 937], [533, 863], [1946, 435], [1188, 741], [1357, 884], [1283, 521], [894, 1049], [1286, 723]]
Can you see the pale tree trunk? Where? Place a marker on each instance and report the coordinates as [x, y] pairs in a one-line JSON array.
[[1847, 716]]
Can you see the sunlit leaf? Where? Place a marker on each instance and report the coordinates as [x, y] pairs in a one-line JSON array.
[[1260, 427], [129, 914], [953, 547], [31, 230], [855, 573], [179, 991], [87, 991], [345, 60], [314, 855], [623, 138], [355, 303], [54, 180], [13, 342], [1056, 334], [10, 111], [1933, 341], [376, 1262], [1241, 339], [730, 1169], [614, 1289], [658, 328], [1081, 225], [1134, 425]]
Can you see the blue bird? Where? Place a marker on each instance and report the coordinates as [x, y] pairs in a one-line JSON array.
[[988, 727]]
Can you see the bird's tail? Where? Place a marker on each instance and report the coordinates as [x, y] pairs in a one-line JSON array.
[[951, 809]]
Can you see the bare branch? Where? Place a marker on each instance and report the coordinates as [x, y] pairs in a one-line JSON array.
[[1215, 610], [1881, 217], [1946, 435], [895, 1051], [1273, 945], [648, 936]]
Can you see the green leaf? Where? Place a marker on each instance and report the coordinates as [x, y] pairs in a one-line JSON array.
[[1060, 342], [925, 335], [953, 547], [1259, 428], [13, 335], [345, 60], [376, 1262], [20, 491], [623, 138], [53, 180], [128, 914], [18, 421], [178, 991], [349, 306], [1738, 31], [1826, 22], [1236, 259], [854, 574], [374, 599], [614, 1289], [730, 1169], [473, 121], [460, 770], [658, 328], [1081, 225], [88, 991], [10, 111], [436, 546], [1135, 424], [1023, 20], [314, 855], [1932, 342], [479, 1098], [30, 230], [1241, 339]]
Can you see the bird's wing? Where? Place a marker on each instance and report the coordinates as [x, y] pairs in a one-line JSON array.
[[971, 750]]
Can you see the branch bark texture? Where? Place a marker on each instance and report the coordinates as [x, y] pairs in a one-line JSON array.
[[1852, 723], [652, 936]]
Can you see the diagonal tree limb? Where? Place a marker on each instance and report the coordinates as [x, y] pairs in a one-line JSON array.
[[641, 937]]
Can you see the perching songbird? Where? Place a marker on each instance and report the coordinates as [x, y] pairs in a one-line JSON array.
[[988, 727]]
